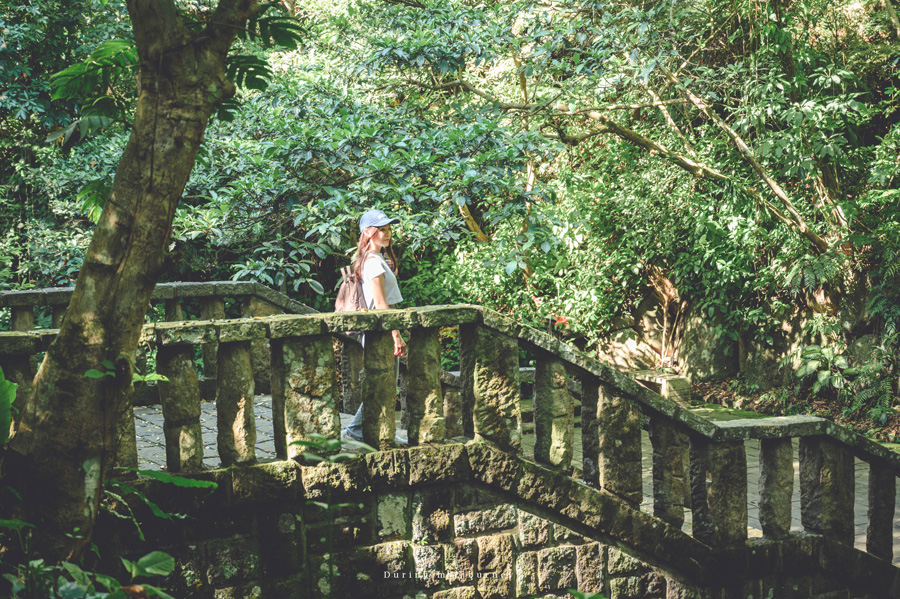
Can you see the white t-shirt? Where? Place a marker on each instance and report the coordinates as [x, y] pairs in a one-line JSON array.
[[375, 266]]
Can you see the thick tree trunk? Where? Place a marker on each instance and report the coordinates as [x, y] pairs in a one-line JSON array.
[[65, 441]]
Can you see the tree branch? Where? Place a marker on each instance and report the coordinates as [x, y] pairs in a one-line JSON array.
[[797, 219]]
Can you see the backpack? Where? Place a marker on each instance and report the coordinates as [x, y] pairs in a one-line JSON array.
[[350, 297]]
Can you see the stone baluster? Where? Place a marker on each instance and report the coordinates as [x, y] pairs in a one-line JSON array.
[[57, 312], [379, 390], [590, 438], [619, 462], [826, 488], [351, 371], [554, 414], [234, 403], [126, 434], [453, 405], [16, 360], [882, 499], [22, 318], [180, 399], [424, 399], [256, 307], [174, 313], [489, 361], [668, 470], [211, 308], [304, 376], [719, 491], [776, 486]]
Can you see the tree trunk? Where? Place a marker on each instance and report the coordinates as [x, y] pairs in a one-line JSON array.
[[65, 441]]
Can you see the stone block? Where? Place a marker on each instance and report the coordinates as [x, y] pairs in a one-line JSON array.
[[429, 564], [619, 426], [457, 593], [460, 561], [397, 320], [281, 543], [292, 325], [345, 532], [424, 398], [590, 560], [229, 561], [527, 574], [493, 467], [564, 534], [393, 516], [621, 564], [533, 530], [467, 496], [185, 333], [432, 518], [496, 556], [345, 322], [500, 322], [556, 569], [383, 571], [501, 517], [240, 329], [17, 343], [269, 482], [347, 479], [438, 463], [387, 469], [448, 316]]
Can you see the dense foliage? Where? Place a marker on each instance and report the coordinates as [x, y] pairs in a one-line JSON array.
[[554, 160]]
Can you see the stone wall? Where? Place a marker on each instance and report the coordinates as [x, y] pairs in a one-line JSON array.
[[448, 522]]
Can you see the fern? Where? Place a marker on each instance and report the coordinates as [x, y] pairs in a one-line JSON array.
[[812, 271]]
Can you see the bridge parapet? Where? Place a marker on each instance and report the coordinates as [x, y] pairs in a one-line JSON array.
[[692, 457]]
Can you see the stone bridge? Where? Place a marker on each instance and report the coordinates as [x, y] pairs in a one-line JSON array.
[[477, 505]]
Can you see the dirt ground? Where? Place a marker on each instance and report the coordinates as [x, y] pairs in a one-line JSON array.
[[782, 401]]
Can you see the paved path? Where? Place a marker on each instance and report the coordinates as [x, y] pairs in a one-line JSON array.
[[152, 455]]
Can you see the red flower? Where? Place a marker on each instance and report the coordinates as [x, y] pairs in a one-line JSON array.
[[561, 320]]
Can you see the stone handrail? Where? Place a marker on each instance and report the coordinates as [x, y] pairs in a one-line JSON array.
[[692, 457]]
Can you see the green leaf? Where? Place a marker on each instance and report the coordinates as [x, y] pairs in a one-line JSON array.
[[178, 481], [7, 397], [93, 373], [157, 563], [156, 591]]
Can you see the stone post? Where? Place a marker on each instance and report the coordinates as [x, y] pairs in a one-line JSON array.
[[234, 404], [126, 434], [304, 371], [211, 308], [554, 415], [453, 408], [668, 471], [490, 362], [18, 368], [590, 438], [619, 462], [826, 488], [424, 399], [255, 307], [719, 491], [379, 390], [57, 313], [351, 369], [180, 399], [173, 311], [776, 486], [882, 498], [467, 377], [22, 318]]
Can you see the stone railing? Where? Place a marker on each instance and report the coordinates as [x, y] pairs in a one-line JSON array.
[[691, 457]]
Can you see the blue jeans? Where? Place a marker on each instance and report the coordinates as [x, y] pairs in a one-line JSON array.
[[354, 429]]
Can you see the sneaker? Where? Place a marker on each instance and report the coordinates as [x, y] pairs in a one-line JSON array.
[[348, 435]]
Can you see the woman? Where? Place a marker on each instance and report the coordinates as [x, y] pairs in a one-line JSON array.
[[380, 288]]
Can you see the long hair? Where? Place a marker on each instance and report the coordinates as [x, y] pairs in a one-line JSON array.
[[363, 251]]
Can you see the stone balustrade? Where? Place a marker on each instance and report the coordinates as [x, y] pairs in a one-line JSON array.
[[697, 464]]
